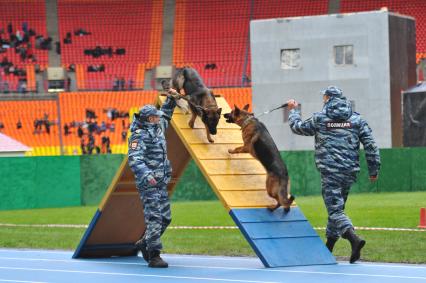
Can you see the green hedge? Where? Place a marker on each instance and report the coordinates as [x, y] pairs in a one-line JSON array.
[[34, 182]]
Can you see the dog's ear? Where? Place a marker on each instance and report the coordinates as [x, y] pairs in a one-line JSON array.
[[219, 111], [246, 107], [237, 111]]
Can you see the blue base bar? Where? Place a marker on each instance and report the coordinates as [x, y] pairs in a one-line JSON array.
[[87, 233], [281, 239]]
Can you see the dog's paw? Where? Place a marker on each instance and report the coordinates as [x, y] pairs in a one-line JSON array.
[[211, 140], [191, 124], [231, 151], [271, 208]]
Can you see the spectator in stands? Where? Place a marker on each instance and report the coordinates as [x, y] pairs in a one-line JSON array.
[[22, 86], [122, 84], [108, 145], [67, 39], [47, 127], [130, 84], [90, 144], [103, 127], [96, 68], [112, 128], [37, 126], [31, 32], [5, 87], [83, 146], [1, 126], [38, 41], [120, 51], [81, 32], [5, 62], [123, 135], [66, 129], [19, 35], [58, 47], [9, 28], [68, 83], [46, 44], [25, 27], [115, 83], [19, 125], [80, 132]]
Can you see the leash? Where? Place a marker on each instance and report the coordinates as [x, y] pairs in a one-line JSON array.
[[269, 111], [256, 116]]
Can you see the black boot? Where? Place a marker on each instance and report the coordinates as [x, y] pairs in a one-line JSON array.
[[356, 243], [156, 261], [141, 245], [330, 243]]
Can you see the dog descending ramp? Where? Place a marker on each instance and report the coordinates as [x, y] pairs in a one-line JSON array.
[[238, 180]]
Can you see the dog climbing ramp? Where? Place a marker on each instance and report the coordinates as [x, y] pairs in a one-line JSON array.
[[238, 180]]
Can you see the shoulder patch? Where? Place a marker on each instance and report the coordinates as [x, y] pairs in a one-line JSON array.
[[338, 125], [134, 145]]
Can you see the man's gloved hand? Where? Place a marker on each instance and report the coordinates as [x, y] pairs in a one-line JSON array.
[[172, 93], [292, 104]]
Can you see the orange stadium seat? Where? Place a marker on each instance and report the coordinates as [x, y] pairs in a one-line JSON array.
[[414, 8], [217, 31], [32, 12], [135, 26], [27, 112]]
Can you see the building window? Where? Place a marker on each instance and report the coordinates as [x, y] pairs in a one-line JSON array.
[[290, 59], [344, 55], [286, 112]]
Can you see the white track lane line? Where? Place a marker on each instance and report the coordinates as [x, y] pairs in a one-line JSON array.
[[201, 257], [229, 268], [133, 274], [20, 281]]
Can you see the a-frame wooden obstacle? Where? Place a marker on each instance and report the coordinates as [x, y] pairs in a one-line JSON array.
[[239, 182]]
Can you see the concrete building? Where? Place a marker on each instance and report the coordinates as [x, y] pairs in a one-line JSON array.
[[370, 56]]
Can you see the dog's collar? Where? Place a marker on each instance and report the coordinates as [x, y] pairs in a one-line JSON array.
[[246, 122]]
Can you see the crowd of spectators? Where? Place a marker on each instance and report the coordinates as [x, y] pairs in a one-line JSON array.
[[19, 39], [86, 130], [99, 51], [39, 123]]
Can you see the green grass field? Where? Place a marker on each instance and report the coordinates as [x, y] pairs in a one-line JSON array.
[[399, 210]]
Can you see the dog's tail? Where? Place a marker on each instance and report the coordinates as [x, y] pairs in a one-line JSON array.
[[285, 198]]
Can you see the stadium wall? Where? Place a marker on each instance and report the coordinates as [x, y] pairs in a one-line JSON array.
[[35, 182], [58, 181]]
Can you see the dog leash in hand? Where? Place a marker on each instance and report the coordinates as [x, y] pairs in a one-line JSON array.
[[269, 111]]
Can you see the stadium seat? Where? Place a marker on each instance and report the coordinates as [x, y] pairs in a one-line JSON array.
[[135, 26]]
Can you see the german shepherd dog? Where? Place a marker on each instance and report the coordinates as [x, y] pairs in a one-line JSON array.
[[259, 143], [200, 99]]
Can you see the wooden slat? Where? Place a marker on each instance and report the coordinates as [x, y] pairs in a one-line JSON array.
[[225, 136], [238, 183], [218, 151], [182, 122], [247, 198], [233, 167]]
